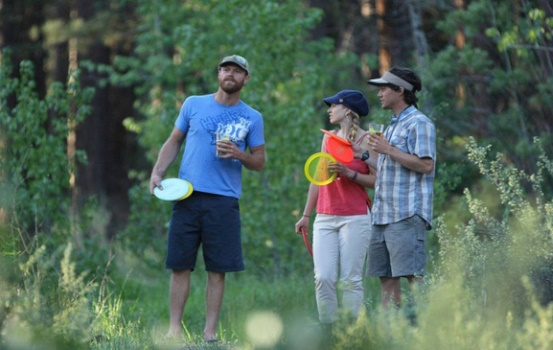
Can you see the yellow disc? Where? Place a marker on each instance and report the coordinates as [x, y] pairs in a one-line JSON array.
[[316, 169], [190, 190]]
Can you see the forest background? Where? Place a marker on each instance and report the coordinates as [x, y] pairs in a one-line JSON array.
[[89, 91]]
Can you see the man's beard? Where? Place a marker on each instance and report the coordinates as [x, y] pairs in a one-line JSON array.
[[231, 90]]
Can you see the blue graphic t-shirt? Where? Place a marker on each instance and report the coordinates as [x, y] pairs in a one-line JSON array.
[[200, 118]]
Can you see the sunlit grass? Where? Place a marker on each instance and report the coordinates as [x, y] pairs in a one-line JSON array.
[[456, 308], [257, 312]]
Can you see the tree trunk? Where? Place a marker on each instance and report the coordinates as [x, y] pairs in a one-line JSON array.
[[350, 24], [419, 38], [103, 136], [394, 24], [61, 49]]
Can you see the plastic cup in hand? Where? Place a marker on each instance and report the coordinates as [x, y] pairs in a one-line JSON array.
[[376, 128], [220, 137]]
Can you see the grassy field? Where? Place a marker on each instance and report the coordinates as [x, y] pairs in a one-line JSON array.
[[256, 313], [456, 308], [491, 292]]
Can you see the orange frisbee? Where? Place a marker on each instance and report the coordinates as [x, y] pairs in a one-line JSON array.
[[336, 137], [339, 148]]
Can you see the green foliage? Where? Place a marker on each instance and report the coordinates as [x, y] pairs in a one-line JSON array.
[[36, 167], [149, 222], [45, 310], [48, 304], [537, 331], [43, 302], [495, 86], [498, 248]]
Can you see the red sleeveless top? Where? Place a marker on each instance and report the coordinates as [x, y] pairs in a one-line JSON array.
[[344, 196]]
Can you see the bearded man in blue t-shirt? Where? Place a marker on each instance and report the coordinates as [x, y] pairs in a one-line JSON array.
[[222, 134]]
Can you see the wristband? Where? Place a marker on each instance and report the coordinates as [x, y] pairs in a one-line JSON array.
[[365, 156], [306, 216], [354, 176]]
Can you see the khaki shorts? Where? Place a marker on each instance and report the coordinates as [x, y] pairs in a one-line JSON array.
[[398, 249]]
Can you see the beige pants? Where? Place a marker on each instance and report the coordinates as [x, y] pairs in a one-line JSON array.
[[339, 249]]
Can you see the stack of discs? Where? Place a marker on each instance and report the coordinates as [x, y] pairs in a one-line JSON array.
[[174, 189]]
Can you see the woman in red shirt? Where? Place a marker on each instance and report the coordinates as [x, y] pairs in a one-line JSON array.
[[343, 222]]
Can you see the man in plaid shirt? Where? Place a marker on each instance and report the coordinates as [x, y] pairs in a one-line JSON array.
[[402, 206]]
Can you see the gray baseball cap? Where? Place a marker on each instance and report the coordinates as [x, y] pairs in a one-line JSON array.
[[237, 60]]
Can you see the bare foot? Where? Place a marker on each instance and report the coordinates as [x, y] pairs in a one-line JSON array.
[[170, 338], [210, 337], [173, 334]]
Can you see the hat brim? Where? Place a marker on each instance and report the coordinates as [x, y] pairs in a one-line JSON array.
[[331, 100], [378, 82], [339, 101], [228, 63]]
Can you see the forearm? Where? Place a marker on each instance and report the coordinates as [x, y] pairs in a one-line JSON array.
[[365, 180], [252, 161], [303, 223], [373, 160], [166, 157], [311, 201], [411, 161], [255, 160]]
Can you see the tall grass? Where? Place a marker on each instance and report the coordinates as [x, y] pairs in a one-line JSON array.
[[456, 308]]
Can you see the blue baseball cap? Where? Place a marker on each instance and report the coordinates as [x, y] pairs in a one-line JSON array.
[[352, 99]]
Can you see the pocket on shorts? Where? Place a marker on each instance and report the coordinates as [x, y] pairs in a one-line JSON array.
[[420, 227], [421, 236]]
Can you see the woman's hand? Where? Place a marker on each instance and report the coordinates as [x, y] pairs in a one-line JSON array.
[[335, 167], [302, 224], [341, 169]]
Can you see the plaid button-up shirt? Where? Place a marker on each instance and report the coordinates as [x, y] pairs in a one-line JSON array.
[[399, 192]]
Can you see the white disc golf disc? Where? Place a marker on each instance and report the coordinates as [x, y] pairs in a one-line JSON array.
[[174, 189]]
